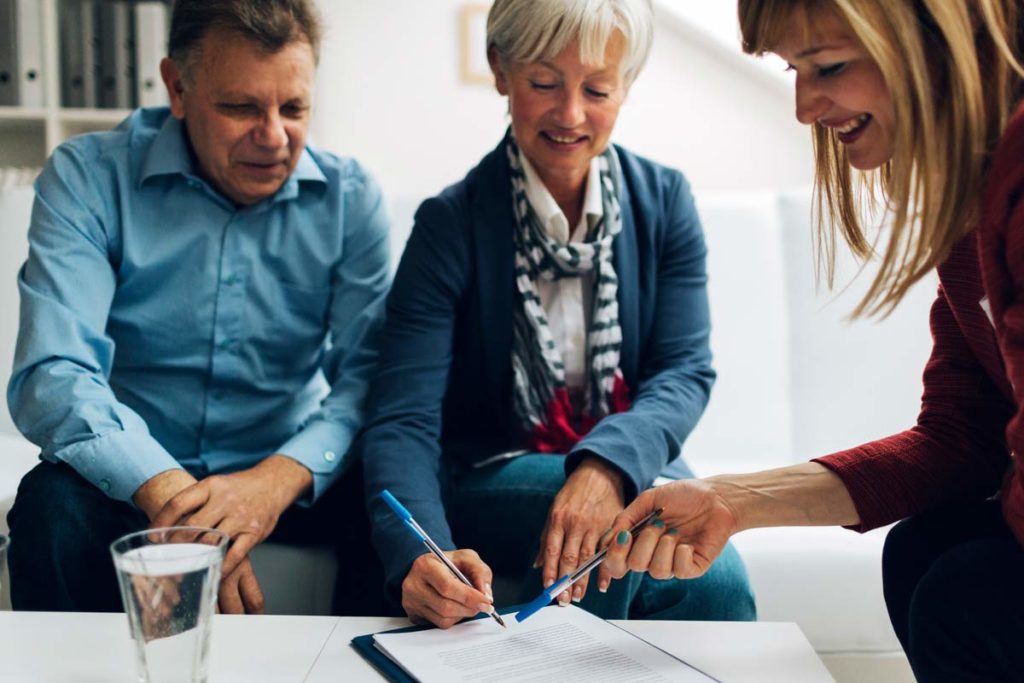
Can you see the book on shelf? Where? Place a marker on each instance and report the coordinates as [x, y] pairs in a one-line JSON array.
[[29, 41], [151, 30], [9, 81], [110, 52], [114, 28], [77, 53]]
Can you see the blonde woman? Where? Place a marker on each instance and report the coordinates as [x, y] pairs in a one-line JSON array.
[[916, 103]]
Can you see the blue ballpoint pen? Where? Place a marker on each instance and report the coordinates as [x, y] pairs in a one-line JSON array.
[[550, 593], [416, 529]]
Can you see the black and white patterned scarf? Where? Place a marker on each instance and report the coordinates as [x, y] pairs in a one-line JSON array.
[[541, 398]]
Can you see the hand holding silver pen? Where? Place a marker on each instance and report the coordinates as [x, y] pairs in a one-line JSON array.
[[424, 591], [563, 584], [581, 511]]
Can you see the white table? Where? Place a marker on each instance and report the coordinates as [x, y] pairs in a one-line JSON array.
[[48, 647]]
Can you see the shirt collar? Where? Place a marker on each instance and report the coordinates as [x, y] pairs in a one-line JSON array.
[[556, 225], [169, 155], [306, 170]]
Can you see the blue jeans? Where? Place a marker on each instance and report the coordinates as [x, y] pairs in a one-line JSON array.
[[500, 511], [62, 527]]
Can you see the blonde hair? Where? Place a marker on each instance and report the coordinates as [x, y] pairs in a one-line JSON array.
[[953, 75], [526, 31]]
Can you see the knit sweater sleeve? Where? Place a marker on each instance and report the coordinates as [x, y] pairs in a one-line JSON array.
[[955, 451], [1003, 269]]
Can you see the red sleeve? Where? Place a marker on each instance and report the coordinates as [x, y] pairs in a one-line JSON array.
[[956, 450], [1009, 225]]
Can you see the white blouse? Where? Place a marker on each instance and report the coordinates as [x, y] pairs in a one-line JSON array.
[[567, 302]]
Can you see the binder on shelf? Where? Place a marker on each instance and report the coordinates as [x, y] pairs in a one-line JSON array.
[[77, 53], [114, 28], [151, 26], [9, 81], [29, 42]]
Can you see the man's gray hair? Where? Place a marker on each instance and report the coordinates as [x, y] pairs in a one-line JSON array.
[[272, 24], [526, 31]]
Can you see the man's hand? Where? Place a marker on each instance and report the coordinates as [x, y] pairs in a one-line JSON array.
[[245, 505], [694, 526], [154, 494], [583, 510], [431, 593], [240, 592]]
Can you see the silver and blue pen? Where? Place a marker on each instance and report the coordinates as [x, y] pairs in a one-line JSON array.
[[416, 529], [555, 589]]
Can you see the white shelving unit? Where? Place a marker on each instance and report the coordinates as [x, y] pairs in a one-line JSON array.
[[29, 134]]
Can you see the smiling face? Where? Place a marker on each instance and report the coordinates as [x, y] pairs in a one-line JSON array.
[[246, 112], [839, 86], [563, 111]]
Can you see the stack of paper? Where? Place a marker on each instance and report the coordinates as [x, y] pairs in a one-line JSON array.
[[563, 644]]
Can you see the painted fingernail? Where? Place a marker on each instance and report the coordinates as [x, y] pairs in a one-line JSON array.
[[484, 607], [660, 524], [622, 538], [577, 595], [602, 588], [673, 532], [548, 582], [563, 599], [488, 592], [537, 564]]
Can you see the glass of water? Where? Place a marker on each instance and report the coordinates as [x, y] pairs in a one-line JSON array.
[[169, 579]]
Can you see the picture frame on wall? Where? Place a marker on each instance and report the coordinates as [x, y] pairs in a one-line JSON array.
[[474, 69]]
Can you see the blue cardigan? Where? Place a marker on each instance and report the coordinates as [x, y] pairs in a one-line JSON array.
[[442, 397]]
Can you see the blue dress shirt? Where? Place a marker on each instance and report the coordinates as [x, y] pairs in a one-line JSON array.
[[163, 326]]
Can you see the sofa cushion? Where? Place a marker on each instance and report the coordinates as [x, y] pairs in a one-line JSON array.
[[826, 579]]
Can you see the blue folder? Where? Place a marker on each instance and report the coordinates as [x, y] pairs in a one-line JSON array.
[[381, 662]]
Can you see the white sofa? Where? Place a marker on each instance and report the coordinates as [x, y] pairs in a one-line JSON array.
[[793, 383]]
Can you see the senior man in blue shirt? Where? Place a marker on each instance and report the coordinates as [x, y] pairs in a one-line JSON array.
[[198, 307]]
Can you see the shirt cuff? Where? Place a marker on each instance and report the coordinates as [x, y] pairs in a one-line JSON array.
[[118, 463], [323, 447]]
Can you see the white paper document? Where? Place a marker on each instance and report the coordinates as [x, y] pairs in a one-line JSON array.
[[563, 644]]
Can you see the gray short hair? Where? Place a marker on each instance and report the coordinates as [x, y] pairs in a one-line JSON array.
[[272, 24], [525, 31]]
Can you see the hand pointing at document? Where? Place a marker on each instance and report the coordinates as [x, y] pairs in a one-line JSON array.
[[697, 524], [701, 514]]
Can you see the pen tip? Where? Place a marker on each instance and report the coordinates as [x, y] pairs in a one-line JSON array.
[[498, 619]]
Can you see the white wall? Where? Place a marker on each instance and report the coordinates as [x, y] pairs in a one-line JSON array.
[[390, 95]]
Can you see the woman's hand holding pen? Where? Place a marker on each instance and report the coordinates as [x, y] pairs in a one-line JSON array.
[[431, 593], [582, 511], [694, 526]]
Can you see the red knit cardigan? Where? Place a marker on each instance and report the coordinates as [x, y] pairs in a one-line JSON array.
[[971, 417]]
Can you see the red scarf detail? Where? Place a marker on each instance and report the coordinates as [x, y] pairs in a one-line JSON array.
[[557, 435]]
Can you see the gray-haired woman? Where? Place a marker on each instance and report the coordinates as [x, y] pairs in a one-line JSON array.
[[546, 345]]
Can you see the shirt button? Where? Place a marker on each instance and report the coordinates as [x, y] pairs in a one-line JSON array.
[[330, 456], [105, 485]]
